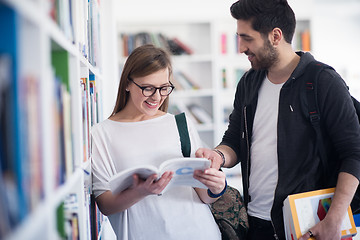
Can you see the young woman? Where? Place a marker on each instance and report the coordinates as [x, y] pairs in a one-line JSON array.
[[140, 131]]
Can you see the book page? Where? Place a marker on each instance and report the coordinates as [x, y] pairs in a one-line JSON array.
[[183, 169], [124, 179]]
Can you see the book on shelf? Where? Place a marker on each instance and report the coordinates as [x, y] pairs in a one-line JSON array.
[[10, 209], [303, 210], [87, 206], [180, 107], [184, 81], [302, 40], [71, 216], [183, 169], [200, 114], [97, 218], [94, 33], [85, 119], [186, 48], [224, 78], [60, 62], [163, 40], [61, 13], [34, 161], [175, 46], [93, 100], [237, 44], [67, 218], [223, 43], [305, 40]]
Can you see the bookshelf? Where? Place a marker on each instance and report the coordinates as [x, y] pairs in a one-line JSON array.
[[193, 73], [51, 81]]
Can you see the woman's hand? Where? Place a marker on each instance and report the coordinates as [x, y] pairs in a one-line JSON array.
[[151, 185], [213, 179]]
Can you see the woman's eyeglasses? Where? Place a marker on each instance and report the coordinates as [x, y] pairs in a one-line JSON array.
[[148, 91]]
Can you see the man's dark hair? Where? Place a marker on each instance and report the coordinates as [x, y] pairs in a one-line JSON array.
[[265, 15]]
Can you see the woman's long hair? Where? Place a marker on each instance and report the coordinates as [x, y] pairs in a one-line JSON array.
[[143, 61]]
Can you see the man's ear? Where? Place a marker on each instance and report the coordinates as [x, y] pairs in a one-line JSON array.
[[276, 36]]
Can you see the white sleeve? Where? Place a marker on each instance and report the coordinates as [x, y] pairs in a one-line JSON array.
[[101, 167]]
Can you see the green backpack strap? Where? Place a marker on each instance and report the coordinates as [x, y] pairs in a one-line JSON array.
[[184, 134]]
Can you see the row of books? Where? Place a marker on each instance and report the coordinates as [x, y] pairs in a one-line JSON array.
[[230, 80], [8, 181], [130, 41], [194, 111], [79, 21], [21, 158], [22, 161], [182, 81], [21, 140], [60, 12], [90, 111], [96, 218], [302, 40], [68, 217]]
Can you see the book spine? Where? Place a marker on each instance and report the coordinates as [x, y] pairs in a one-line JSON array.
[[223, 43]]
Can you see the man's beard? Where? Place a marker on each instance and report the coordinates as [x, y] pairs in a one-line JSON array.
[[266, 57]]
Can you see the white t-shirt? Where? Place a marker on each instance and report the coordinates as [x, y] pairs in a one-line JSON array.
[[264, 157], [178, 213]]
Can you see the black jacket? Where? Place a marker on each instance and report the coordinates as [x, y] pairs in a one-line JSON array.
[[299, 167]]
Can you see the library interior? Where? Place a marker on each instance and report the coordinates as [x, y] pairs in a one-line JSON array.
[[60, 66]]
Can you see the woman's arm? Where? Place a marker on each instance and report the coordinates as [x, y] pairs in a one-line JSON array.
[[109, 203]]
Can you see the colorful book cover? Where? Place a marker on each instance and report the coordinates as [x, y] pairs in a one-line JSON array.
[[302, 211]]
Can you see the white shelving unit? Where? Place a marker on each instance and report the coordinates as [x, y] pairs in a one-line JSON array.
[[47, 49]]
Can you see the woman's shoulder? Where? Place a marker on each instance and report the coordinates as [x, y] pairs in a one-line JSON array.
[[99, 126]]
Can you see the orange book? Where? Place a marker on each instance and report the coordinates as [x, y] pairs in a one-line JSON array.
[[305, 41], [303, 210]]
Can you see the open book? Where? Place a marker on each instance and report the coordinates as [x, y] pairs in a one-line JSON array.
[[303, 210], [183, 169]]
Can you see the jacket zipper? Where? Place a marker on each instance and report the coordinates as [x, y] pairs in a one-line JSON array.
[[248, 164], [275, 234], [248, 152]]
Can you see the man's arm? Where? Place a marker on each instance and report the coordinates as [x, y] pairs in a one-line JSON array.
[[329, 227], [216, 158]]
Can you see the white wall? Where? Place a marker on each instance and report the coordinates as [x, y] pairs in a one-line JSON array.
[[336, 39], [335, 25], [143, 10], [110, 63]]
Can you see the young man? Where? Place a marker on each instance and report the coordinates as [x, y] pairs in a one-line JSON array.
[[270, 134]]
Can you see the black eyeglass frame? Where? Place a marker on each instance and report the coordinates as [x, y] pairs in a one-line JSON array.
[[155, 89]]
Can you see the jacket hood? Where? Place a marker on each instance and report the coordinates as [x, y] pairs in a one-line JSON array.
[[305, 59]]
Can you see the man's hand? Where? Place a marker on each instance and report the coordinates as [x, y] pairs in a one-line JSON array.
[[210, 154], [324, 230], [330, 227]]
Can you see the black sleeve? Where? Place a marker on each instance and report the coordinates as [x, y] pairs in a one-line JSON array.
[[340, 120]]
